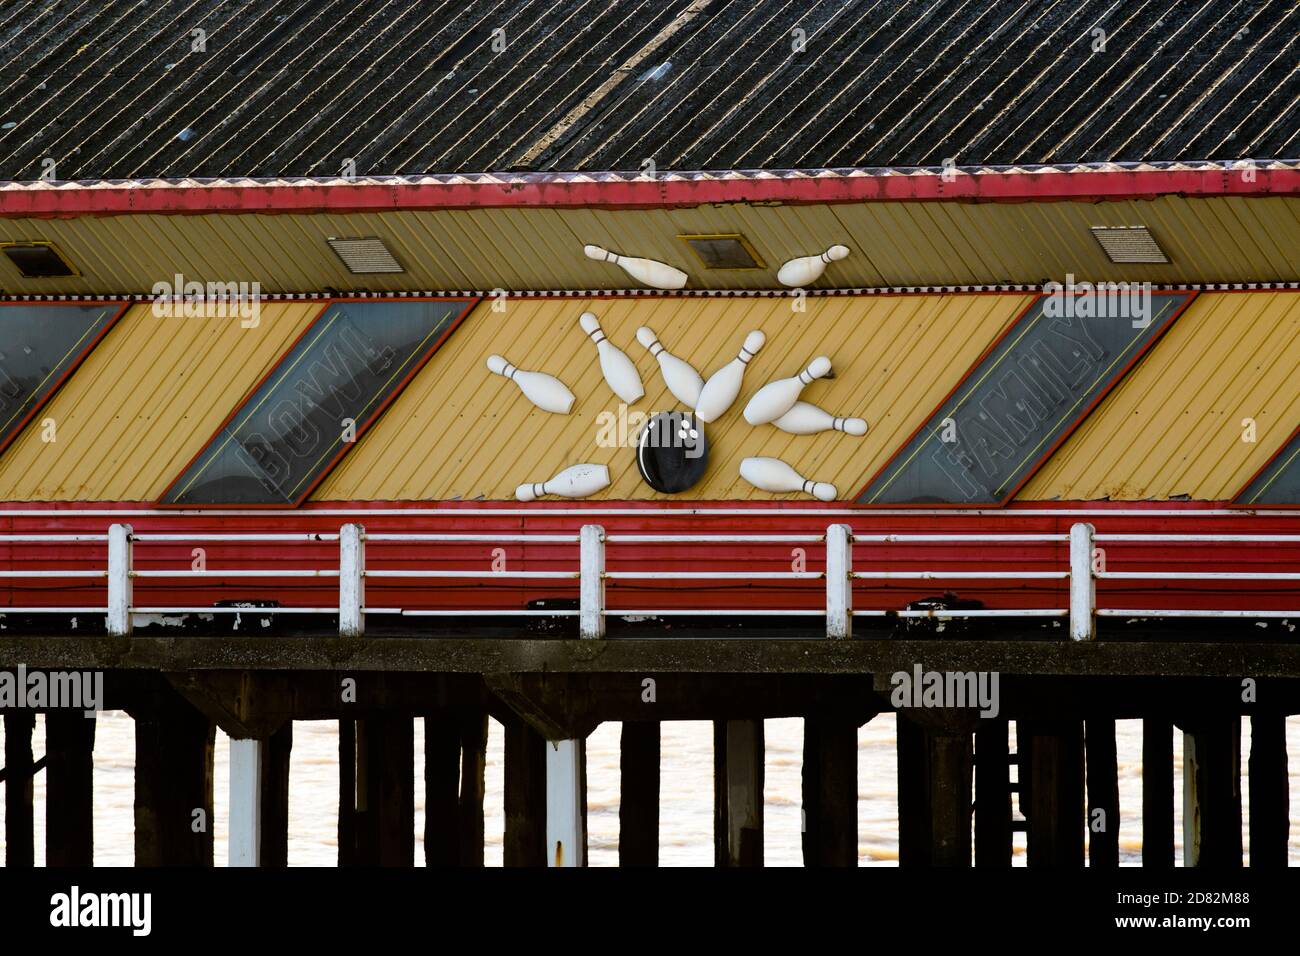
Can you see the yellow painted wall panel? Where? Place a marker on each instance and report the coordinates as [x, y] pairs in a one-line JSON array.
[[460, 432], [155, 389], [144, 402], [1173, 427]]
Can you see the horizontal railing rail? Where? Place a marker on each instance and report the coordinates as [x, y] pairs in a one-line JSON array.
[[1086, 566], [255, 537]]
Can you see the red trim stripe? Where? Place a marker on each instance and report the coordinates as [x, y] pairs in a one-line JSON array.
[[569, 191]]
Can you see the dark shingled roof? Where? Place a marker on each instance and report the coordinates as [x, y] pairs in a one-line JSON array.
[[125, 88]]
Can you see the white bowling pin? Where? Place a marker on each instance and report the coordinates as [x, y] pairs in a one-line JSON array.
[[620, 374], [682, 380], [545, 391], [776, 398], [657, 275], [576, 481], [808, 269], [724, 385], [772, 474], [805, 419]]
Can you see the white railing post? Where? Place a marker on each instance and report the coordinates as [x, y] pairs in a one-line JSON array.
[[1083, 586], [591, 584], [120, 580], [839, 581], [352, 580]]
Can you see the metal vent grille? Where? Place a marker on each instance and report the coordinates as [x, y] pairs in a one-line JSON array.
[[365, 256], [1129, 244]]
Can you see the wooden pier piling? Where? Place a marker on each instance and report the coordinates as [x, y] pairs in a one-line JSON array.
[[830, 791], [442, 789], [69, 770], [993, 844], [1212, 792], [276, 754], [20, 847], [173, 782], [738, 748], [379, 823], [1056, 793], [935, 763], [1103, 793], [348, 796], [473, 768], [913, 793], [1270, 799], [525, 794], [638, 808], [1157, 792], [950, 799]]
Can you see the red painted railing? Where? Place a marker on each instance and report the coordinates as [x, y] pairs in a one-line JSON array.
[[703, 559]]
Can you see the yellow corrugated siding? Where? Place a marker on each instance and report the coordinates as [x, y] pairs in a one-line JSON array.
[[1216, 239], [460, 432], [144, 402], [154, 390], [1173, 427]]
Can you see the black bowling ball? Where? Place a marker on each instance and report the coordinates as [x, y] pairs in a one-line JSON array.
[[672, 452]]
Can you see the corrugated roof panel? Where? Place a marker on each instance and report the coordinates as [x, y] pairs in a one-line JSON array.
[[460, 432], [144, 402], [115, 90], [1173, 427], [1220, 239]]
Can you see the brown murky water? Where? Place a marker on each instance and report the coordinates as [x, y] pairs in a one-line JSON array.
[[686, 812]]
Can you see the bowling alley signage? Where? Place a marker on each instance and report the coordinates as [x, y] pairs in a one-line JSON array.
[[1022, 399], [301, 419]]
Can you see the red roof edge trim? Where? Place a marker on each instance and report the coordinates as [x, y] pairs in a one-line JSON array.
[[620, 191]]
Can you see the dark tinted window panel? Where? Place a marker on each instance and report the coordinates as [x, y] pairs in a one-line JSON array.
[[40, 346], [292, 429], [1019, 402], [1279, 481]]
